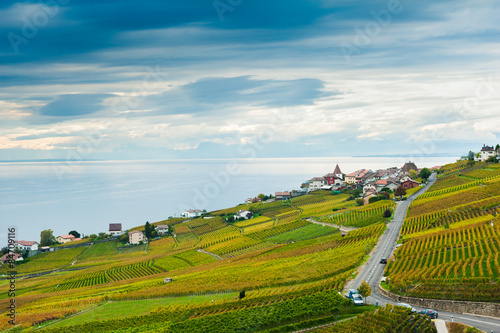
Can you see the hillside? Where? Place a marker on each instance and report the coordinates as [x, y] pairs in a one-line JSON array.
[[451, 238], [290, 269]]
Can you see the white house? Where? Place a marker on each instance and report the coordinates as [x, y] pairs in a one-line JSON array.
[[369, 188], [135, 237], [243, 213], [65, 239], [115, 229], [192, 213], [316, 183], [27, 245], [485, 153], [162, 228]]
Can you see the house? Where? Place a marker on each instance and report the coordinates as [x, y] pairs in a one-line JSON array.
[[369, 188], [282, 195], [135, 237], [27, 245], [405, 170], [65, 239], [485, 153], [380, 174], [355, 177], [316, 183], [335, 177], [367, 177], [162, 228], [192, 213], [253, 200], [409, 184], [243, 213], [14, 256], [115, 229]]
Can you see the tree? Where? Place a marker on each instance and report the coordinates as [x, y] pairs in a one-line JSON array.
[[387, 213], [5, 250], [74, 233], [497, 147], [470, 158], [123, 238], [425, 173], [413, 174], [261, 196], [47, 237], [148, 229], [364, 290], [400, 191], [360, 202], [92, 236]]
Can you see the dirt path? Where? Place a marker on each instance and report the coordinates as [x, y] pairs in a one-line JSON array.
[[341, 227], [211, 254]]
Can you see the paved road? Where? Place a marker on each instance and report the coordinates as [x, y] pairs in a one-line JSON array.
[[373, 270]]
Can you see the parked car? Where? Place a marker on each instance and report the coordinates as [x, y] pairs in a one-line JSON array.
[[431, 313], [357, 299], [383, 261], [406, 305]]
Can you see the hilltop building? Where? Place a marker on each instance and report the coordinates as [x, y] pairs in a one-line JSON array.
[[115, 229], [65, 239], [135, 237], [485, 153], [27, 245], [192, 213], [405, 170]]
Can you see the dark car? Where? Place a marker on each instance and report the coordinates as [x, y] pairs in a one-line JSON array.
[[431, 313], [383, 261]]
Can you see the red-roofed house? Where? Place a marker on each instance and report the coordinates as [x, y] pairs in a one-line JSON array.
[[15, 257], [27, 245], [282, 195], [65, 239], [355, 176], [409, 184]]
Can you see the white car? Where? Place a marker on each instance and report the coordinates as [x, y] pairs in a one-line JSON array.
[[357, 299], [406, 305]]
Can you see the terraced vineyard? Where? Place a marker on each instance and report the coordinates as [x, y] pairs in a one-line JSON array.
[[109, 275], [390, 319], [362, 216], [303, 233], [451, 244]]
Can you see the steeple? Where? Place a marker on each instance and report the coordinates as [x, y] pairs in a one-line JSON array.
[[337, 171]]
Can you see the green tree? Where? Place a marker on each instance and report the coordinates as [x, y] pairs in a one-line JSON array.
[[74, 233], [413, 174], [123, 238], [470, 158], [364, 290], [400, 191], [387, 213], [47, 237], [148, 230], [425, 173], [360, 202], [497, 147], [261, 196]]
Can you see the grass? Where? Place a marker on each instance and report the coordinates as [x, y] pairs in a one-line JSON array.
[[123, 309]]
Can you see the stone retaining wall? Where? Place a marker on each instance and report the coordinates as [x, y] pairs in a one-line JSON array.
[[478, 308]]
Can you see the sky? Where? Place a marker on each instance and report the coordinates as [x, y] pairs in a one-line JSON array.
[[85, 79]]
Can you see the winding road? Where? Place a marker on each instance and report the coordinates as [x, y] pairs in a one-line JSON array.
[[373, 271]]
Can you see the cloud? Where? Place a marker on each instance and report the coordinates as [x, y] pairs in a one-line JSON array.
[[212, 94], [74, 105]]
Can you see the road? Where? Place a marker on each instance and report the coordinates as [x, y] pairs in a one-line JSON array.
[[373, 270]]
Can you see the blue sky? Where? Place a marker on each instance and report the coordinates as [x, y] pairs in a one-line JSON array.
[[171, 79]]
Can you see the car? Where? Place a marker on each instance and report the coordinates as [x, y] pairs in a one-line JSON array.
[[406, 305], [357, 299], [431, 313], [383, 261]]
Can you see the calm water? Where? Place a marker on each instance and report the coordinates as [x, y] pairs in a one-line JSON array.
[[88, 196]]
